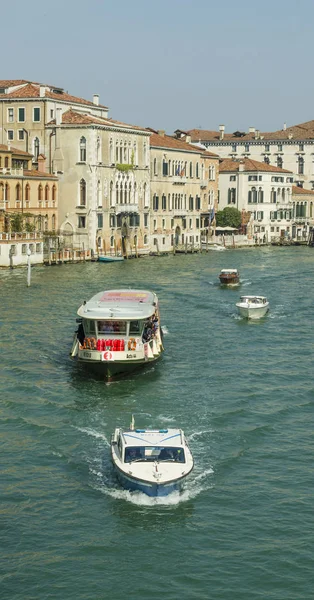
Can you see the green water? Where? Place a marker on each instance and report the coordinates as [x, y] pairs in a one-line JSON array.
[[242, 529]]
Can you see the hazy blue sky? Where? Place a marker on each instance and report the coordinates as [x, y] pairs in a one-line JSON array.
[[170, 64]]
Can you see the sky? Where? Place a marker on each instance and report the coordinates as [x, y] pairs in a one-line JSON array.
[[170, 64]]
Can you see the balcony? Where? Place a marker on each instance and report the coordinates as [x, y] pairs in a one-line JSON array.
[[179, 180], [203, 183], [126, 208], [12, 172], [300, 220]]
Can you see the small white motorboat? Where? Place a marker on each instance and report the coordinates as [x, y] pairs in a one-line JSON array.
[[153, 461], [253, 307]]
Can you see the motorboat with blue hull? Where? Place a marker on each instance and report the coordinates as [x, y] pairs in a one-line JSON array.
[[152, 461], [118, 332], [109, 258]]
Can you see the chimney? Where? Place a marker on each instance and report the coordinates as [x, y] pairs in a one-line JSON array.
[[222, 132], [251, 129], [284, 126], [188, 139], [42, 91], [41, 163], [290, 136], [58, 116], [161, 132], [241, 166], [96, 99], [257, 134]]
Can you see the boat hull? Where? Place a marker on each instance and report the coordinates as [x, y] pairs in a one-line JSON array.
[[118, 368], [252, 313], [152, 489], [229, 280], [110, 258]]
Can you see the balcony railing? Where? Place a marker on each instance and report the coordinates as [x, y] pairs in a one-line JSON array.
[[12, 172], [203, 183], [179, 180], [126, 208]]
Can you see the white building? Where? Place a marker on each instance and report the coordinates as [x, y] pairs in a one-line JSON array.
[[264, 191], [290, 148]]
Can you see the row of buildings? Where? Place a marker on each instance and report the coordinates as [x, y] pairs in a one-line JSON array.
[[71, 174]]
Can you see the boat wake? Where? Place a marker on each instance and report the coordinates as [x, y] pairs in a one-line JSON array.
[[93, 433]]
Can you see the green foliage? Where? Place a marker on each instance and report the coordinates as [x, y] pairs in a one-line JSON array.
[[122, 167], [228, 217], [16, 222]]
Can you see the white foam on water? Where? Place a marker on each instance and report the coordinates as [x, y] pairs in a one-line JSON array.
[[165, 330], [93, 433], [141, 499], [197, 434]]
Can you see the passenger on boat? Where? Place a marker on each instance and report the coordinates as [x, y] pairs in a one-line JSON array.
[[132, 454], [165, 454], [80, 334]]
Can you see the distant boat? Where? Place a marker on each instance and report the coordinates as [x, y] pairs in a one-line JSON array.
[[153, 461], [253, 307], [108, 258], [229, 277]]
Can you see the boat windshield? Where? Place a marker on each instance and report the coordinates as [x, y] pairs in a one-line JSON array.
[[152, 453], [117, 327]]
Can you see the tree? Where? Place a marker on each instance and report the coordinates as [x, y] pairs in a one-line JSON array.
[[228, 217]]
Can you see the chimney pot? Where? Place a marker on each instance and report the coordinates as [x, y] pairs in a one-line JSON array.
[[251, 129], [284, 126], [58, 116], [96, 99], [188, 139], [161, 132], [222, 131], [42, 91]]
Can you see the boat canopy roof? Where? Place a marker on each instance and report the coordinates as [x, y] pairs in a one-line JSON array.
[[154, 437], [227, 271], [253, 298], [120, 304]]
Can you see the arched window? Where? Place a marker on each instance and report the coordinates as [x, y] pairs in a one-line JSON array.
[[111, 193], [7, 193], [197, 170], [40, 193], [112, 241], [301, 165], [54, 193], [82, 192], [130, 193], [111, 159], [83, 149], [145, 239], [27, 193], [36, 148], [53, 222], [47, 193], [125, 193], [39, 223], [6, 161]]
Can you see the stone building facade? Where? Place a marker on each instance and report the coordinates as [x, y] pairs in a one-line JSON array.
[[103, 166], [184, 191], [291, 148]]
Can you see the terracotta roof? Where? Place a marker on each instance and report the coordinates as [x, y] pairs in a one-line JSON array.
[[32, 90], [303, 131], [12, 150], [167, 141], [228, 165], [5, 83], [72, 117], [298, 190], [38, 174]]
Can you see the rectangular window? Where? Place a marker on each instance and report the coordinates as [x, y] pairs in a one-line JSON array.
[[165, 168], [145, 220], [51, 113], [20, 134], [38, 248], [100, 221], [232, 177], [81, 222], [10, 115], [164, 202], [21, 115], [10, 135], [36, 115], [155, 202]]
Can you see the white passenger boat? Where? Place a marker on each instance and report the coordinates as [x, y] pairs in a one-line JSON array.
[[119, 330], [151, 461], [253, 307]]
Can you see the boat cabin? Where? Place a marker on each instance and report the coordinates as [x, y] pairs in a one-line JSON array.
[[142, 445], [253, 299]]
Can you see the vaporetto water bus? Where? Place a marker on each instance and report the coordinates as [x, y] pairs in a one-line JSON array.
[[119, 331], [153, 461]]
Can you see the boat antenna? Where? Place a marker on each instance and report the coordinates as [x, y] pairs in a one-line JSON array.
[[132, 424]]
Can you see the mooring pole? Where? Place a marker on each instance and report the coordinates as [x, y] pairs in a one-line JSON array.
[[28, 267]]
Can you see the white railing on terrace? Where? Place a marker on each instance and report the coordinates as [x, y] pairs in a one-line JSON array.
[[12, 172], [204, 183], [178, 179]]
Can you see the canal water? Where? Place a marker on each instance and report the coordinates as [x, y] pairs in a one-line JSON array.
[[242, 528]]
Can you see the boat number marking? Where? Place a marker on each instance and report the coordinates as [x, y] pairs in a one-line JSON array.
[[108, 355], [87, 354], [131, 355]]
